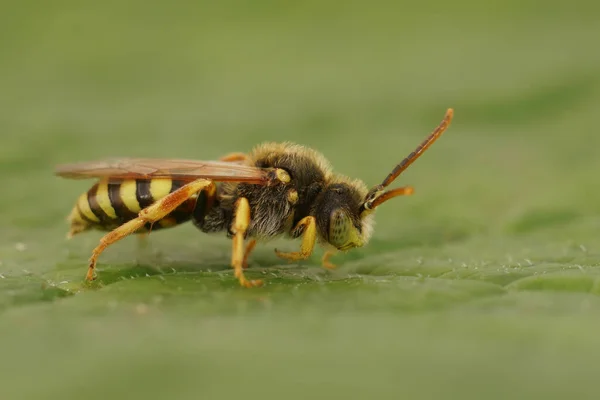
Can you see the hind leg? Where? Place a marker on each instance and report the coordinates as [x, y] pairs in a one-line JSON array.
[[150, 214]]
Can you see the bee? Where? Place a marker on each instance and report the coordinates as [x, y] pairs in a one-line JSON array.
[[276, 189]]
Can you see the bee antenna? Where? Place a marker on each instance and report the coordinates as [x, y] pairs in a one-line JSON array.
[[382, 197], [412, 157]]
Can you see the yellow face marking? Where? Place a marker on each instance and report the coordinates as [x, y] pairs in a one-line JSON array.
[[127, 193], [342, 232], [85, 209], [104, 201], [160, 188]]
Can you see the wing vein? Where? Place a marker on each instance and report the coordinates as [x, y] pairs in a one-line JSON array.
[[148, 168]]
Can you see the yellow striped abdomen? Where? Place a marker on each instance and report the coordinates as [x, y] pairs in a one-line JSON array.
[[109, 204]]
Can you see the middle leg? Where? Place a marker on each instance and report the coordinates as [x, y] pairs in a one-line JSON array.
[[150, 214], [249, 247]]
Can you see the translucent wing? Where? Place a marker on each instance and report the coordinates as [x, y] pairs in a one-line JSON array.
[[147, 168]]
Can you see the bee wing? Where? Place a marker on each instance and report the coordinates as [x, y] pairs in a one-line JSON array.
[[148, 168]]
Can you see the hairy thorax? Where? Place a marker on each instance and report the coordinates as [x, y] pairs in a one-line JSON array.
[[276, 209]]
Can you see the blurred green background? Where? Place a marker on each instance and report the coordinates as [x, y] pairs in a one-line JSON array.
[[482, 285]]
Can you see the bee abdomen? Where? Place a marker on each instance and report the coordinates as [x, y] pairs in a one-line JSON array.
[[109, 204]]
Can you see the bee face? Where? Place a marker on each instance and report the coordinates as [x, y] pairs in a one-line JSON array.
[[338, 215], [343, 234]]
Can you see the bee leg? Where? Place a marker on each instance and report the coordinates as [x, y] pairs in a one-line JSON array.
[[308, 227], [325, 260], [249, 247], [233, 157], [240, 225], [154, 212]]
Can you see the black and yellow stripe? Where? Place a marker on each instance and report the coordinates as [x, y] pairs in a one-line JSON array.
[[109, 204]]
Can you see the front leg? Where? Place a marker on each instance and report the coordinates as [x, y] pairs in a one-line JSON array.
[[308, 227], [325, 260]]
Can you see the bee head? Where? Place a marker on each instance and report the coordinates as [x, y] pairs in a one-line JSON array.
[[344, 210], [338, 215]]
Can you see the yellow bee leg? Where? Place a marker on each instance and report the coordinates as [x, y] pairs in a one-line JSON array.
[[111, 237], [240, 225], [153, 213], [325, 260], [309, 236], [235, 157], [249, 247]]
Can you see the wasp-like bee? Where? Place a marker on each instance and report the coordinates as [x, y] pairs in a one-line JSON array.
[[276, 189]]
